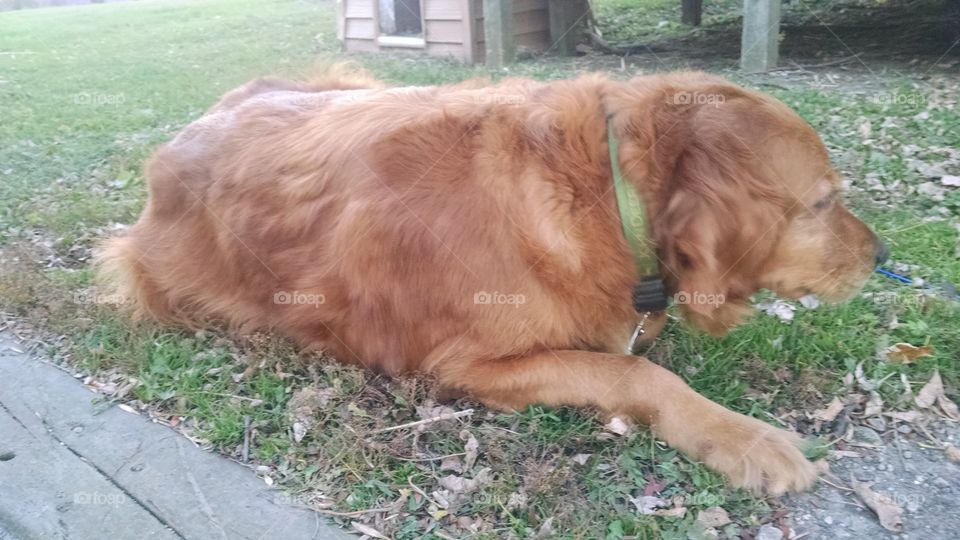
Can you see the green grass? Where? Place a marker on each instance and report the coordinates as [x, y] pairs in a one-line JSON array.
[[96, 87], [650, 21], [93, 89]]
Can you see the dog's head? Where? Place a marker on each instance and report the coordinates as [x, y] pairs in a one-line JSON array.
[[749, 201]]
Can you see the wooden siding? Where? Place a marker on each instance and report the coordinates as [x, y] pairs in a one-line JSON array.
[[446, 49], [359, 26], [444, 32], [450, 27], [443, 21], [358, 9], [361, 45], [442, 10], [360, 29], [531, 24]]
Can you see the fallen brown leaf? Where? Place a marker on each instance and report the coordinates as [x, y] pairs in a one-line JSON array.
[[617, 425], [127, 408], [471, 449], [949, 407], [459, 484], [905, 353], [930, 392], [655, 506], [368, 530], [676, 511], [887, 511], [653, 486], [714, 516], [451, 463], [830, 412], [646, 504], [580, 459], [911, 417], [874, 405]]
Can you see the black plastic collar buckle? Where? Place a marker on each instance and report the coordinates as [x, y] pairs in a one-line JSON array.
[[649, 295]]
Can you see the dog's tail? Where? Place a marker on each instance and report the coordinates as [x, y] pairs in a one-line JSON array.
[[121, 275], [325, 77], [328, 76]]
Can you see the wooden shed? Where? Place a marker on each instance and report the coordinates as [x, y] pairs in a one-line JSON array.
[[457, 28]]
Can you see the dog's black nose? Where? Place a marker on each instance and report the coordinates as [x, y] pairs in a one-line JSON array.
[[882, 253]]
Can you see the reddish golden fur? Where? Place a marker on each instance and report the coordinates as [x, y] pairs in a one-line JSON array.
[[395, 207]]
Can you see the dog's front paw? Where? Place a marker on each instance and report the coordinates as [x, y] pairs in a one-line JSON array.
[[757, 456]]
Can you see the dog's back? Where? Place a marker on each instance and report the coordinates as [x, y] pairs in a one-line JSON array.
[[174, 239]]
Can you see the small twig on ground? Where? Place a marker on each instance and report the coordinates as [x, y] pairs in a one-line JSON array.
[[896, 437], [604, 46], [352, 514], [246, 439], [829, 483], [422, 492], [425, 421], [938, 443], [438, 458], [779, 421], [797, 66]]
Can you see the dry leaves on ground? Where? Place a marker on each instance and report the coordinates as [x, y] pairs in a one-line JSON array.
[[888, 512], [830, 412], [656, 506], [713, 517], [905, 353], [932, 393], [617, 425]]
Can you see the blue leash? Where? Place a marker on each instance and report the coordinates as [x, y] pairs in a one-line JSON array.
[[947, 288], [894, 275]]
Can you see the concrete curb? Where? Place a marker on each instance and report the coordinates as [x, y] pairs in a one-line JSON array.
[[79, 472]]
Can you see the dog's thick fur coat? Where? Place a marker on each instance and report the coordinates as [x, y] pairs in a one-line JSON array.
[[472, 232]]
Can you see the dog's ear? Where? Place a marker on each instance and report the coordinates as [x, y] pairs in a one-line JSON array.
[[716, 226], [693, 241]]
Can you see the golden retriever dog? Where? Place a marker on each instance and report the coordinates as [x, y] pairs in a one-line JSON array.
[[472, 232]]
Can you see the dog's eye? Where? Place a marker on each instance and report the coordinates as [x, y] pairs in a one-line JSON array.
[[824, 203]]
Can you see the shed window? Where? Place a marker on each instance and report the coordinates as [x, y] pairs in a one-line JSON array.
[[401, 18]]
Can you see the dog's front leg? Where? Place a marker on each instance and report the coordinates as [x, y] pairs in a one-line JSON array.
[[749, 452]]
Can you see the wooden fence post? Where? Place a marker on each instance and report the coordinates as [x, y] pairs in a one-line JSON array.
[[568, 21], [691, 12], [498, 32], [761, 35]]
